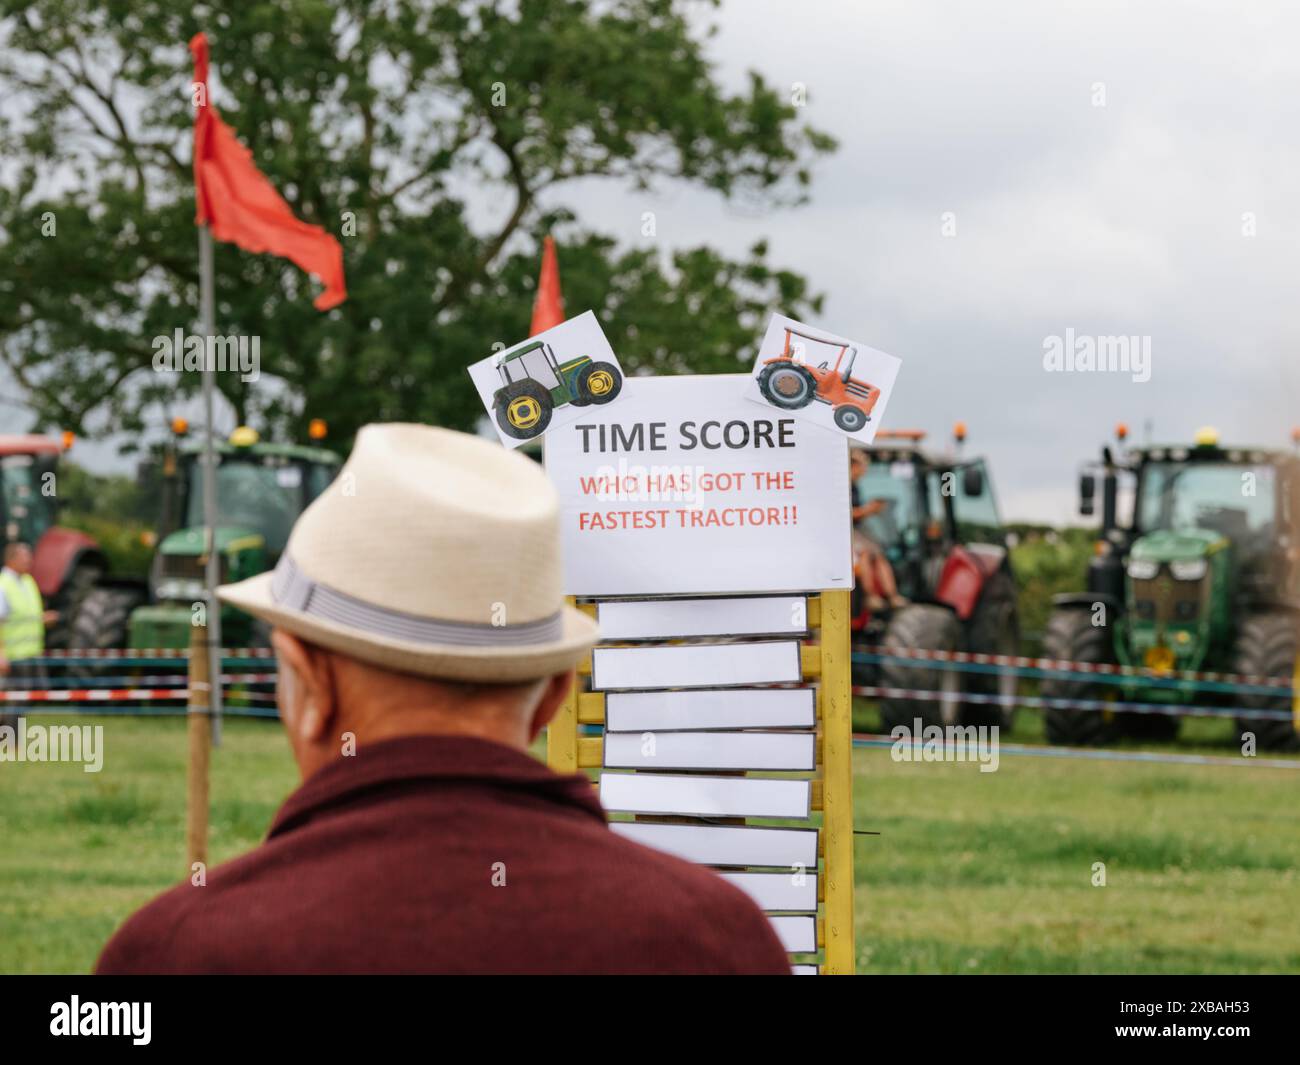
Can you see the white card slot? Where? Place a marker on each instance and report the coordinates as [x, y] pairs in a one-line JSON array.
[[710, 750], [797, 934], [659, 619], [710, 708], [778, 891], [706, 666], [728, 845], [701, 796]]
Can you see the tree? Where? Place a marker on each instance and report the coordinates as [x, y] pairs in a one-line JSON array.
[[390, 125]]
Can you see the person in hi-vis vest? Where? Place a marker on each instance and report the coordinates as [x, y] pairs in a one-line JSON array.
[[23, 618]]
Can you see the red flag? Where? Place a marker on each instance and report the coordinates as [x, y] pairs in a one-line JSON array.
[[242, 207], [548, 307]]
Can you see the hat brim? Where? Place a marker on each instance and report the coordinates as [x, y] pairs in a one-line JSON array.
[[483, 664]]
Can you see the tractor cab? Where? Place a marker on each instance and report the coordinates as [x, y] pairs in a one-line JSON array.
[[1205, 538], [67, 564], [1202, 576], [932, 504], [261, 490], [27, 500], [937, 526]]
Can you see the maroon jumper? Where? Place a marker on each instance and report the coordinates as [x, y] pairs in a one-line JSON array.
[[442, 854]]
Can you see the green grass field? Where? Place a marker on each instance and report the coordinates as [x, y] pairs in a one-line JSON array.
[[972, 872]]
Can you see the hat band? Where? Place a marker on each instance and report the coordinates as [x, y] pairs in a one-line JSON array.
[[294, 590]]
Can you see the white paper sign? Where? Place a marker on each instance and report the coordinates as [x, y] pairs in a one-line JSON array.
[[705, 708], [695, 665], [797, 934], [684, 487], [710, 750], [796, 892], [659, 619], [701, 796], [787, 848], [830, 380]]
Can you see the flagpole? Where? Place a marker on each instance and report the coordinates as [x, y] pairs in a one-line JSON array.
[[212, 574]]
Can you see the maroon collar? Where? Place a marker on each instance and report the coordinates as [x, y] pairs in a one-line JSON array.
[[447, 758]]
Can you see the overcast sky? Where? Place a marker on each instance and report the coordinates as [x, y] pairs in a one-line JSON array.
[[1121, 219]]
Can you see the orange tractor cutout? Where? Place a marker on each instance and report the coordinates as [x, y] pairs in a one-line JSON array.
[[790, 382]]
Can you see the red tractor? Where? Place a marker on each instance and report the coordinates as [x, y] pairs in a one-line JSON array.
[[790, 382], [936, 523], [67, 563]]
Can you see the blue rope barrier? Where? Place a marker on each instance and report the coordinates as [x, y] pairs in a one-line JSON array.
[[1039, 672]]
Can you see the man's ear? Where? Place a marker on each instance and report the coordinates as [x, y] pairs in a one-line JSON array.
[[313, 697], [557, 687]]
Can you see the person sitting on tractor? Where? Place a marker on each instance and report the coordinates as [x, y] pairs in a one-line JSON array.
[[870, 566]]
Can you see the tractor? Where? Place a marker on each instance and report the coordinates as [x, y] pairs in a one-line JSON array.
[[1204, 576], [67, 564], [262, 488], [940, 531], [523, 404], [789, 382]]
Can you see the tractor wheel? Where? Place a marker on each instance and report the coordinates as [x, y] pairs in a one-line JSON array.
[[994, 629], [102, 623], [787, 385], [920, 627], [68, 604], [1072, 636], [523, 409], [850, 418], [599, 383], [1266, 647]]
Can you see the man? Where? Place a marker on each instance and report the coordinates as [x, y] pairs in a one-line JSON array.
[[871, 568], [23, 618], [423, 644]]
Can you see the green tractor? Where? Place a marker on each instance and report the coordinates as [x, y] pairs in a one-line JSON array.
[[1203, 578], [261, 490], [523, 404]]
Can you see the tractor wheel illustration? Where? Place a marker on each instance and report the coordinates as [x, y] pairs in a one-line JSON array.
[[787, 385], [599, 383], [523, 409], [850, 419]]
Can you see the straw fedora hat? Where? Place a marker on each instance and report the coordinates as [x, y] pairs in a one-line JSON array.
[[433, 552]]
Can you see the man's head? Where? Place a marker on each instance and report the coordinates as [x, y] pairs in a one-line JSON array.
[[18, 557], [857, 463], [421, 593]]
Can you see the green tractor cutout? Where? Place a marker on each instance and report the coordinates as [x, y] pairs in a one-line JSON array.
[[523, 404]]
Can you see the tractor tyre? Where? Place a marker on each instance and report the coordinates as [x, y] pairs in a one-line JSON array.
[[850, 418], [1071, 636], [599, 383], [68, 604], [994, 629], [920, 627], [102, 623], [523, 409], [1266, 647], [787, 385]]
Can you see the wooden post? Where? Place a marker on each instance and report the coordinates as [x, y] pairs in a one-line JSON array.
[[562, 732], [837, 781], [200, 740]]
